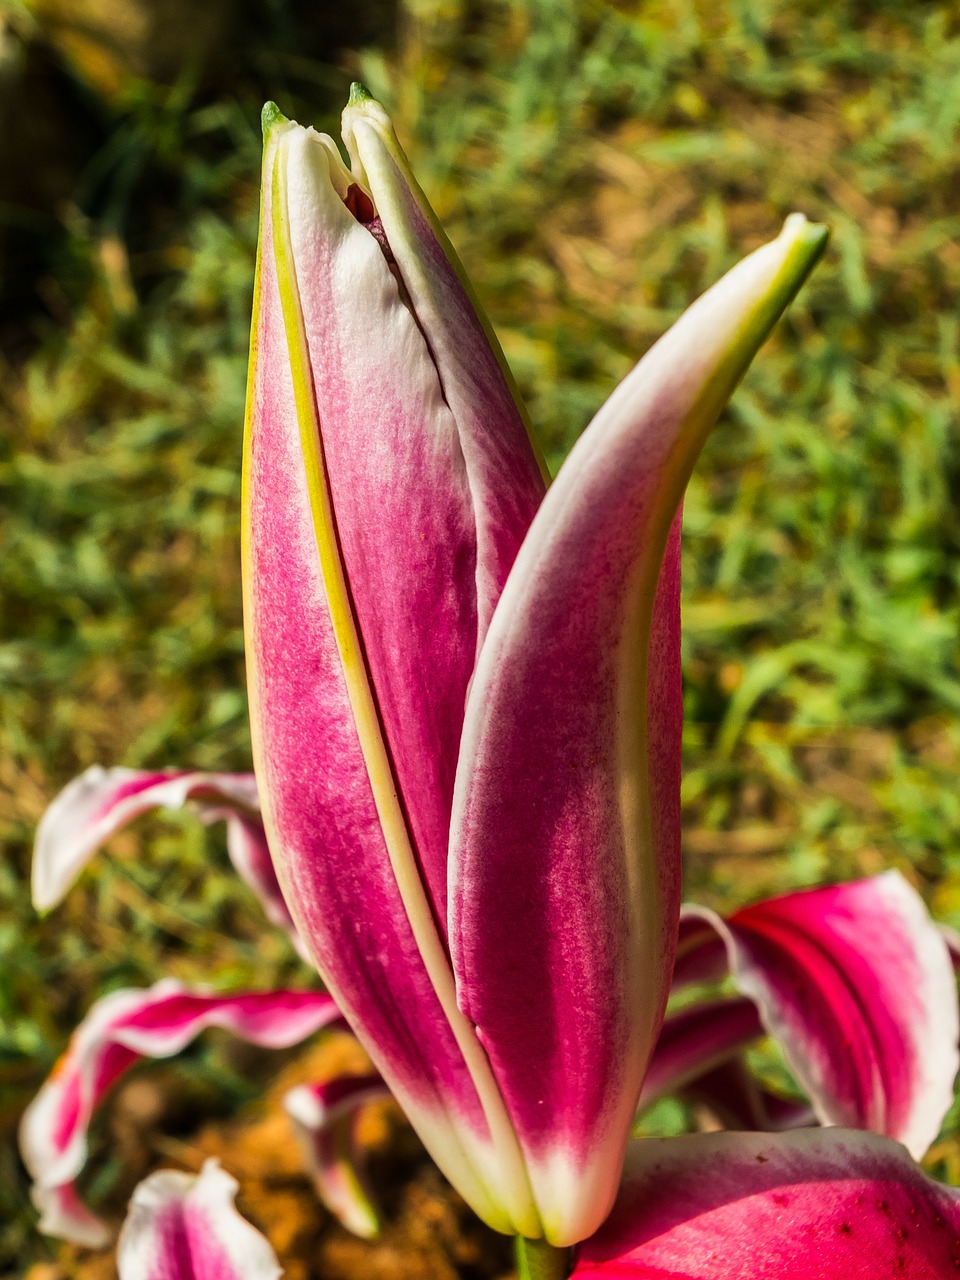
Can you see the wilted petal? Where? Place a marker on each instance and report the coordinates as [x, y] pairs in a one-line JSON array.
[[119, 1030], [351, 543], [565, 859], [855, 983], [97, 804], [182, 1227], [697, 1039], [325, 1118], [816, 1205]]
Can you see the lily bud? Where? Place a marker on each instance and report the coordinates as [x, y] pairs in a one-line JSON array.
[[464, 692]]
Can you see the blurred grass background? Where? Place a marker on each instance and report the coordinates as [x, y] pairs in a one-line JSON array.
[[597, 165]]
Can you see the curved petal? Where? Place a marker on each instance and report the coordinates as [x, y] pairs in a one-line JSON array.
[[100, 802], [120, 1029], [182, 1227], [565, 858], [330, 583], [856, 984], [325, 1118], [815, 1205], [697, 1039]]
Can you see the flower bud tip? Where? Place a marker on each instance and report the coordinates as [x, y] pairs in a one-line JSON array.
[[270, 117], [359, 93]]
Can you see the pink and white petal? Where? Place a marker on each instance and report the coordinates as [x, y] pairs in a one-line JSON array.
[[855, 983], [813, 1205], [504, 470], [122, 1028], [565, 853], [64, 1215], [336, 823], [325, 1120], [182, 1227], [100, 802], [697, 1039]]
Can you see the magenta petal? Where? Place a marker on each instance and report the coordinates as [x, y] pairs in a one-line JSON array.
[[697, 1039], [565, 852], [100, 802], [816, 1205], [181, 1227], [338, 825], [856, 984], [325, 1118], [119, 1030], [430, 476]]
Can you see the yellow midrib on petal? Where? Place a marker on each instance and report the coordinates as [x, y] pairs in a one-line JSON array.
[[525, 1219]]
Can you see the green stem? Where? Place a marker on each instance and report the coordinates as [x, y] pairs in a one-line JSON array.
[[537, 1260]]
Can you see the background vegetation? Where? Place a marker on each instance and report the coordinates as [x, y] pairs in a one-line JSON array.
[[597, 166]]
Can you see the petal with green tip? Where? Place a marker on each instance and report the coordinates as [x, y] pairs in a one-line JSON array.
[[565, 842], [360, 603]]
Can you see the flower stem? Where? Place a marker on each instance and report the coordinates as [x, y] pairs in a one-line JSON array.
[[537, 1260]]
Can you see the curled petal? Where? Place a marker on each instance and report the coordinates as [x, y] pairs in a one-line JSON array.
[[119, 1030], [97, 804], [856, 984], [181, 1227], [697, 1039], [814, 1205], [565, 856], [325, 1120]]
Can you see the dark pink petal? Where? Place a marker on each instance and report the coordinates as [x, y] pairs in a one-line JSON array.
[[856, 984], [97, 804], [814, 1205], [336, 820], [325, 1119], [119, 1030], [697, 1039], [186, 1228], [565, 852]]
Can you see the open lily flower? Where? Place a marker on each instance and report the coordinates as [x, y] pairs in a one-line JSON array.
[[465, 693], [186, 1228]]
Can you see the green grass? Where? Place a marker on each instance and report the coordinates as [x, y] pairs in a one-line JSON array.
[[597, 166]]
